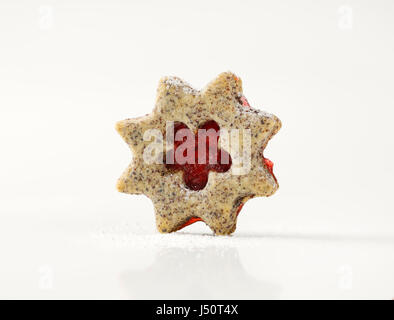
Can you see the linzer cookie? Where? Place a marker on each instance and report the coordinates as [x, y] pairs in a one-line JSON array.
[[199, 155]]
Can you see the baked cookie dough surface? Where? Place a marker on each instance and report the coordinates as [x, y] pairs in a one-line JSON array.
[[219, 202]]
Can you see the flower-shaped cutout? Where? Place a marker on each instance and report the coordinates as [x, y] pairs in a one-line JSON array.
[[196, 170]]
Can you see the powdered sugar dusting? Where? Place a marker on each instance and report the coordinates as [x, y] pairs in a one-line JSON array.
[[240, 110], [177, 82], [134, 236]]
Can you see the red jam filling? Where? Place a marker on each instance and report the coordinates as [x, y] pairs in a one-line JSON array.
[[270, 166], [240, 208], [189, 222], [244, 101], [195, 175]]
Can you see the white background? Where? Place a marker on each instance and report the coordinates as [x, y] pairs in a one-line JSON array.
[[70, 69]]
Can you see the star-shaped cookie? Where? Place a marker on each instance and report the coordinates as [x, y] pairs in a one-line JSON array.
[[220, 199]]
